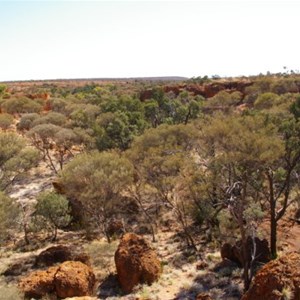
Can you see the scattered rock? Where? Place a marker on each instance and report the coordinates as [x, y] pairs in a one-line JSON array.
[[203, 296], [272, 278], [227, 253], [74, 278], [201, 265], [234, 253], [115, 228], [53, 255], [69, 279], [59, 254], [136, 262]]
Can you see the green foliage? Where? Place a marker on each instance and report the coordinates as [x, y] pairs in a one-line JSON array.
[[21, 105], [97, 181], [266, 101], [224, 100], [54, 118], [2, 88], [8, 216], [84, 115], [112, 130], [295, 108], [6, 120], [52, 209], [27, 120], [16, 158]]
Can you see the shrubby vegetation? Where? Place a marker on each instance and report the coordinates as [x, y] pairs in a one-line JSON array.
[[135, 151]]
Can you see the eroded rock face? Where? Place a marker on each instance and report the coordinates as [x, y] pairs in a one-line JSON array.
[[234, 253], [274, 277], [136, 262], [69, 279]]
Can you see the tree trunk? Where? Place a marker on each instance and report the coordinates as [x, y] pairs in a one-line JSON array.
[[273, 237], [273, 221], [55, 234]]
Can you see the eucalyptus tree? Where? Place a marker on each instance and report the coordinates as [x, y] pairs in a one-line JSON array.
[[97, 180]]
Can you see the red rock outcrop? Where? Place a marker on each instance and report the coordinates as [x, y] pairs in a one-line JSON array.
[[274, 277], [69, 279], [207, 90], [74, 279], [136, 262], [44, 96]]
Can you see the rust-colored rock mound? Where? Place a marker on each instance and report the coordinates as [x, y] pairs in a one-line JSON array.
[[69, 279], [136, 262], [74, 278], [38, 283], [275, 277]]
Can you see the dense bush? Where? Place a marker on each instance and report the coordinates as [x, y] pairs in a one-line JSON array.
[[21, 105], [6, 120]]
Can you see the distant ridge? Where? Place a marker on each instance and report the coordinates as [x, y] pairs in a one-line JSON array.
[[155, 78]]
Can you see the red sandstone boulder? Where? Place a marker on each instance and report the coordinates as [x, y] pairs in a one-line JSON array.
[[136, 262], [39, 283], [274, 277], [74, 278], [70, 279]]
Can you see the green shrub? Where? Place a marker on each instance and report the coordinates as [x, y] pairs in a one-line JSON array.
[[21, 105], [27, 120], [6, 120]]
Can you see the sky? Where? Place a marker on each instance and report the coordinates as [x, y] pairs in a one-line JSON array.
[[113, 39]]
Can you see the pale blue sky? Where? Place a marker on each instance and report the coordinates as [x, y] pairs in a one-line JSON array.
[[82, 39]]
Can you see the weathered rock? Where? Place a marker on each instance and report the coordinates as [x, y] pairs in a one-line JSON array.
[[59, 254], [74, 279], [136, 262], [115, 227], [203, 296], [202, 265], [39, 283], [227, 253], [275, 276], [234, 253], [69, 279], [53, 255]]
